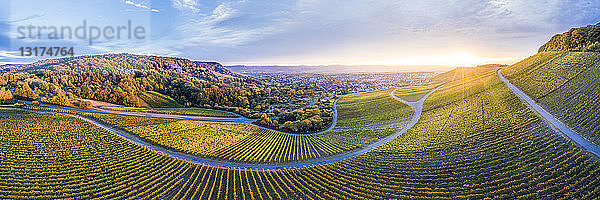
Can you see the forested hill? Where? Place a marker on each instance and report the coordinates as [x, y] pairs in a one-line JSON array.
[[119, 78], [204, 71], [123, 78], [577, 39]]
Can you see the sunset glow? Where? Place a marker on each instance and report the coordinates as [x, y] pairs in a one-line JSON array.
[[456, 59]]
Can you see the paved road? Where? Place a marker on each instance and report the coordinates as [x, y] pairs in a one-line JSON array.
[[417, 108], [240, 119], [555, 123], [181, 117]]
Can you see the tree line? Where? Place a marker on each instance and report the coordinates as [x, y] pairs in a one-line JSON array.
[[585, 39]]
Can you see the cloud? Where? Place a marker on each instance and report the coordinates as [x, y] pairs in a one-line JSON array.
[[10, 54], [13, 57], [186, 5], [142, 6], [227, 25], [340, 31], [26, 18], [222, 12], [154, 48]]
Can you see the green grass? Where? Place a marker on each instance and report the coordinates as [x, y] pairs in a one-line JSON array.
[[158, 100]]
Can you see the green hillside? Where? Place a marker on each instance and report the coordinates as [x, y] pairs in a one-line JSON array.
[[473, 137], [567, 84]]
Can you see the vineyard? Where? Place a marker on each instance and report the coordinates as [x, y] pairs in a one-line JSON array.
[[371, 109], [266, 146], [464, 72], [192, 137], [414, 93], [47, 156], [566, 83], [175, 111], [236, 142], [474, 140]]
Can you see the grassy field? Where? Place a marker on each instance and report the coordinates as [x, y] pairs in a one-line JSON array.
[[193, 137]]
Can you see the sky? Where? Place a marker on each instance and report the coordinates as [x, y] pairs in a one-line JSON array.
[[302, 32]]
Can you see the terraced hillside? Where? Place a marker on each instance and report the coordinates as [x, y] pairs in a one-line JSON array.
[[567, 84], [474, 140], [250, 144]]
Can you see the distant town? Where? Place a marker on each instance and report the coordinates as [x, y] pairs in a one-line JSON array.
[[345, 83]]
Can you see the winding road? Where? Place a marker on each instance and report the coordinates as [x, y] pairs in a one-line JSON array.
[[240, 119], [416, 106], [555, 123]]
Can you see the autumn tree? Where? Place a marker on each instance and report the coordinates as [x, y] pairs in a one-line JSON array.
[[85, 104], [5, 95]]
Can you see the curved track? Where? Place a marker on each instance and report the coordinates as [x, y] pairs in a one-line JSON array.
[[555, 123], [416, 106], [239, 119]]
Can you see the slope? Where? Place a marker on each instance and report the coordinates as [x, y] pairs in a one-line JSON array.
[[481, 144], [157, 100], [567, 84], [463, 72]]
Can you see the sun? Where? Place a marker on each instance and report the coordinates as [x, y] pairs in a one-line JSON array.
[[461, 58]]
